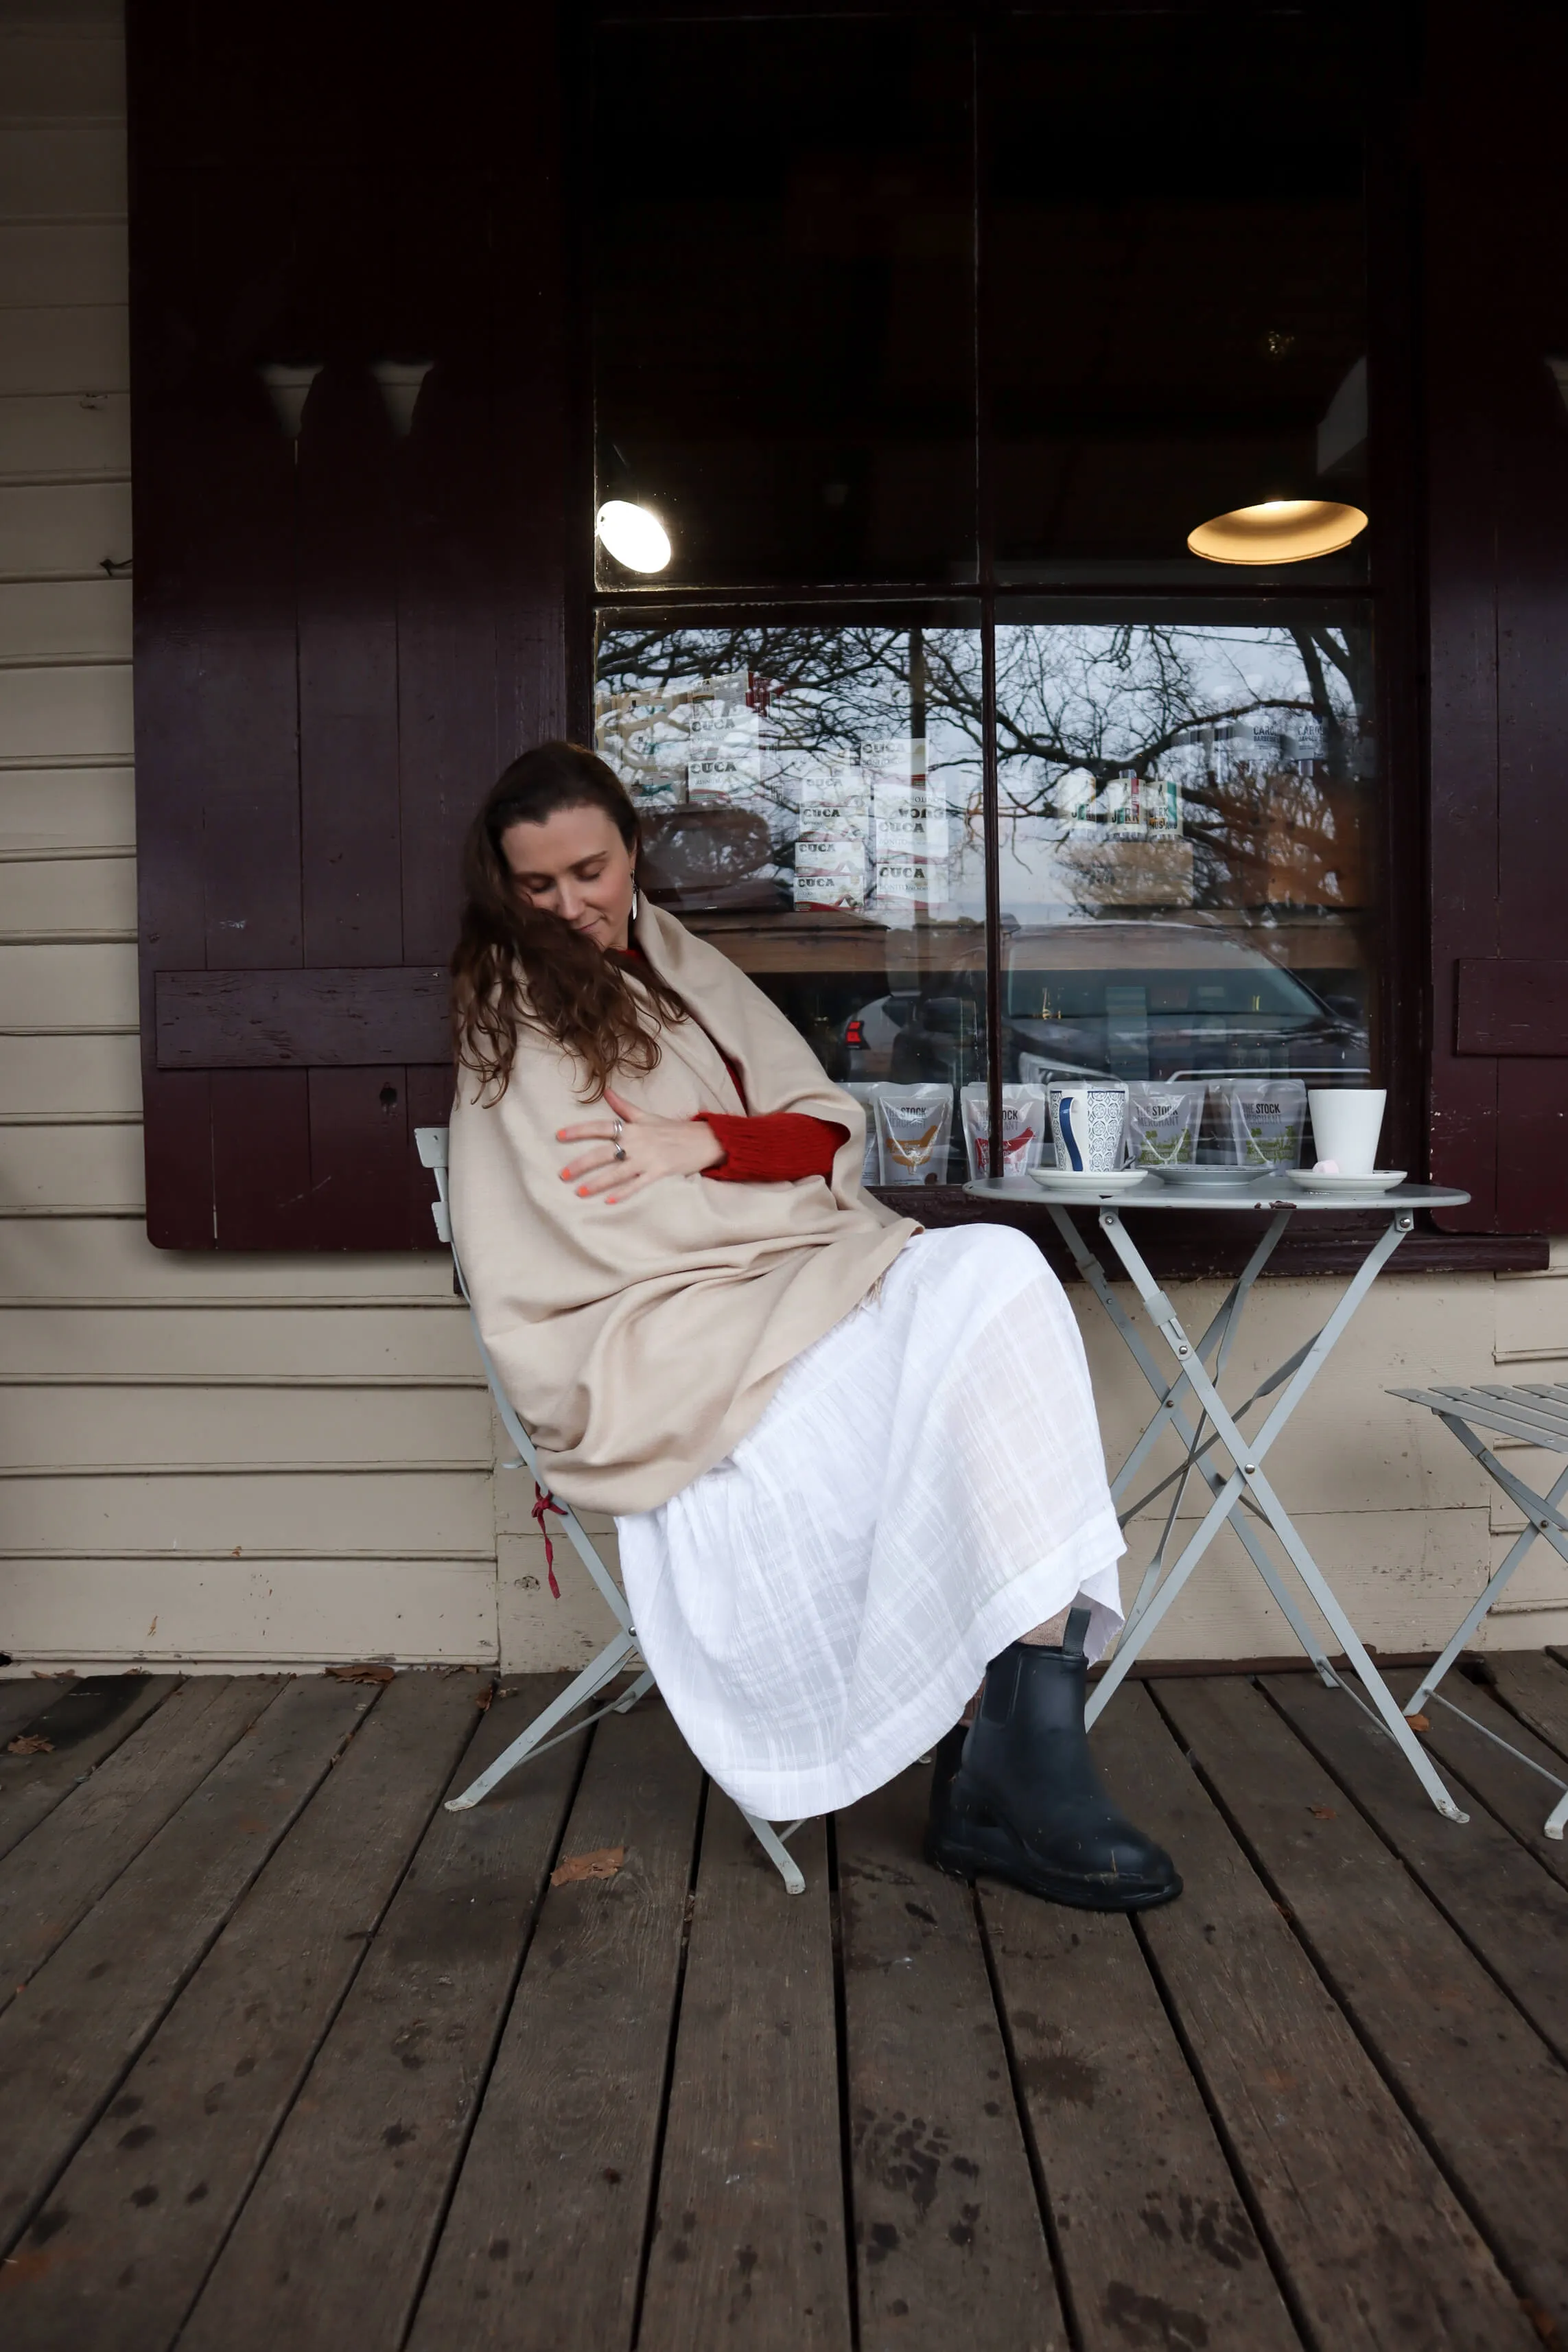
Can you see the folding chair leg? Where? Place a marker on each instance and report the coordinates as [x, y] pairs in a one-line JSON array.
[[778, 1852], [1557, 1819], [577, 1693]]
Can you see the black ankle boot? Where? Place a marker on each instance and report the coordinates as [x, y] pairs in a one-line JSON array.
[[1020, 1797]]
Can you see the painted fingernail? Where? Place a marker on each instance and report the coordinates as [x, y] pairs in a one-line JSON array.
[[582, 1192]]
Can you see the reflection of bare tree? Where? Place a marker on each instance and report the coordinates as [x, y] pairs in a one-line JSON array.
[[1079, 706]]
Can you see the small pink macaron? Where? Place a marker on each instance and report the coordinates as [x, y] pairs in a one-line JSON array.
[[1327, 1168]]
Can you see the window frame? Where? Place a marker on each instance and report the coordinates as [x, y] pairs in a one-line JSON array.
[[1391, 595]]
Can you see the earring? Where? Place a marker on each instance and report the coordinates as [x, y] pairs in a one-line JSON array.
[[634, 898]]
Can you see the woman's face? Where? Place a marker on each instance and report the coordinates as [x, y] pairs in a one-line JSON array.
[[575, 864]]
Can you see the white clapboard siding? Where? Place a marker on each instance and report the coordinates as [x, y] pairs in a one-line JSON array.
[[63, 620], [262, 1612], [95, 1166], [47, 264], [62, 171], [43, 1077], [220, 1459], [64, 529], [186, 1424], [64, 348], [89, 896], [79, 711], [103, 1259], [372, 1344], [1531, 1326], [66, 806], [69, 985], [360, 1513], [75, 434], [56, 70]]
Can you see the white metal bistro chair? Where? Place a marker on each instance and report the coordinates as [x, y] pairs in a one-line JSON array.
[[1538, 1415], [619, 1654]]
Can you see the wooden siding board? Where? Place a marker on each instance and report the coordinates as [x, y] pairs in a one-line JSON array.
[[66, 348], [65, 264]]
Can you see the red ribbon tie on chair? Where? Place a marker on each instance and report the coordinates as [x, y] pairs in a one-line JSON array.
[[543, 1503]]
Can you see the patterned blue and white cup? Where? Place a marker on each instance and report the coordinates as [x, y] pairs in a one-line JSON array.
[[1088, 1120]]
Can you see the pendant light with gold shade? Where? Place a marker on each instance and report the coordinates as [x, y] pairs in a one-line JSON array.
[[1277, 530]]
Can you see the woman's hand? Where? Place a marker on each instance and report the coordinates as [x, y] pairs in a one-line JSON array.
[[653, 1147]]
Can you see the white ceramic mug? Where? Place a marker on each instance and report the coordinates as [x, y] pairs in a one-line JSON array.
[[1346, 1123], [1088, 1119]]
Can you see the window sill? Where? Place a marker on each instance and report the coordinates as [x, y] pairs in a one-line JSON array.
[[1189, 1247]]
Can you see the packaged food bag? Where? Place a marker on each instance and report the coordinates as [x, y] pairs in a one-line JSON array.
[[1023, 1129], [1163, 1123], [865, 1092], [1260, 1121], [913, 1125]]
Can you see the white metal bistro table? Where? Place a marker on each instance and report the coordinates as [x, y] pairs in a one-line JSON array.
[[1242, 1496]]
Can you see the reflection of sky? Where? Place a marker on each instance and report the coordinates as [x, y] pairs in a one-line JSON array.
[[1079, 706]]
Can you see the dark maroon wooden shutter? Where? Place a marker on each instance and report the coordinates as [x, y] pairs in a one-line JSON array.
[[338, 639], [1496, 314]]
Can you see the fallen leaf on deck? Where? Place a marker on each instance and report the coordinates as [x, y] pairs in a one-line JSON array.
[[33, 1744], [1419, 1722], [1323, 1812], [361, 1674], [602, 1863], [482, 1699]]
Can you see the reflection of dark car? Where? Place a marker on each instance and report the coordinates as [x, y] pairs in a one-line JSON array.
[[1140, 1000]]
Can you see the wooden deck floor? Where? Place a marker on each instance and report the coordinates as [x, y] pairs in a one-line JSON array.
[[290, 2056]]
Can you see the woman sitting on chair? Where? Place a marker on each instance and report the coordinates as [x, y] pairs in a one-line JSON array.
[[854, 1466]]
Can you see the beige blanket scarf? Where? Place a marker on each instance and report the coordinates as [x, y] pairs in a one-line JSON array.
[[640, 1343]]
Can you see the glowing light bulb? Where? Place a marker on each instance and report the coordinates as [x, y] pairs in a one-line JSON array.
[[1279, 530], [634, 535]]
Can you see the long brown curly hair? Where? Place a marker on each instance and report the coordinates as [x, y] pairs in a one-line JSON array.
[[517, 966]]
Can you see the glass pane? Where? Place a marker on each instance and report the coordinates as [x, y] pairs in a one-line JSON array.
[[810, 798], [783, 314], [1177, 236], [1188, 818]]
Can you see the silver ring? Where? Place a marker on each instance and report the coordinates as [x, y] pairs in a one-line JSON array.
[[618, 1128], [619, 1152]]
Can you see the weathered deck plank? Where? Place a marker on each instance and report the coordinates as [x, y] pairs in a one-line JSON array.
[[1534, 1687], [20, 1701], [1497, 1895], [66, 2044], [949, 2238], [1153, 2238], [337, 2233], [1419, 1998], [551, 2210], [202, 2104], [1374, 2246], [86, 1722], [1519, 1798], [98, 1828], [749, 2245]]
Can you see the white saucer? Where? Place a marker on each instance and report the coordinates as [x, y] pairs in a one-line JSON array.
[[1381, 1180], [1094, 1183]]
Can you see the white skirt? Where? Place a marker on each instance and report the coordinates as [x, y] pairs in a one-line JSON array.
[[926, 1485]]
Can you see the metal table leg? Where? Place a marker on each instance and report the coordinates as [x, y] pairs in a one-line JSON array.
[[1247, 1480], [1171, 1415]]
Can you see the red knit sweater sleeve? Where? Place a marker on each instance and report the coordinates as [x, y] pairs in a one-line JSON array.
[[778, 1149]]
